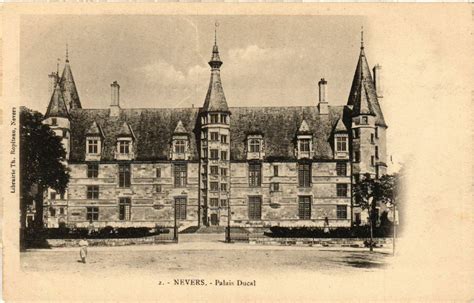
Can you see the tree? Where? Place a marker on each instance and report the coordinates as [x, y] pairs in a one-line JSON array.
[[368, 192], [41, 164]]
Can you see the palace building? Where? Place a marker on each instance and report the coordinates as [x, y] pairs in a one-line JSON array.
[[254, 166]]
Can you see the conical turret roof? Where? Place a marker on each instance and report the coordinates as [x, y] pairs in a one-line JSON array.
[[57, 106], [215, 98], [363, 96], [68, 86]]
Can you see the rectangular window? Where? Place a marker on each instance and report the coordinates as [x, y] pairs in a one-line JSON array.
[[54, 121], [341, 211], [224, 155], [224, 139], [224, 118], [376, 152], [158, 188], [355, 133], [64, 133], [204, 152], [275, 170], [275, 186], [223, 187], [356, 178], [255, 208], [92, 214], [372, 160], [372, 139], [223, 202], [304, 175], [92, 192], [357, 156], [53, 196], [158, 172], [341, 190], [304, 145], [214, 202], [214, 154], [341, 144], [214, 170], [365, 120], [214, 136], [180, 146], [376, 132], [93, 146], [255, 175], [224, 172], [52, 212], [304, 207], [61, 196], [124, 147], [180, 175], [214, 186], [254, 146], [341, 169], [124, 175], [125, 205], [92, 170], [61, 210], [180, 208], [214, 118]]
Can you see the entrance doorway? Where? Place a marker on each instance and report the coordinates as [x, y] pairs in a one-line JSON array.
[[214, 219]]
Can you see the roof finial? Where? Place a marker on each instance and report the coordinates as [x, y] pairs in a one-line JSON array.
[[362, 37], [215, 32], [67, 52]]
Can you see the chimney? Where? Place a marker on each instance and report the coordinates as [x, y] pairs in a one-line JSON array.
[[377, 80], [53, 78], [115, 99], [323, 94]]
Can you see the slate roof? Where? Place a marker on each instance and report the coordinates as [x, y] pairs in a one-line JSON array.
[[57, 106], [363, 90], [68, 86], [153, 130]]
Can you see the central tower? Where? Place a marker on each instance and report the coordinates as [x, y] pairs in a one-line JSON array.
[[214, 149]]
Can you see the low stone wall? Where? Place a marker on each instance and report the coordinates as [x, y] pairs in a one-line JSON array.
[[324, 242], [111, 242]]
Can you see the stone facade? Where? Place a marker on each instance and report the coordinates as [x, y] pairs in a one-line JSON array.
[[291, 166]]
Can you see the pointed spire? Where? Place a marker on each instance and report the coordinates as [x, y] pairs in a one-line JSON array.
[[57, 107], [68, 85], [363, 95], [304, 128], [180, 128], [215, 98]]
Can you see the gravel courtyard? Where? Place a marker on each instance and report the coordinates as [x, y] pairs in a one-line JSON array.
[[200, 256]]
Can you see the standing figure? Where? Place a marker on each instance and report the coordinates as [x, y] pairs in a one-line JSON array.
[[326, 225], [83, 249]]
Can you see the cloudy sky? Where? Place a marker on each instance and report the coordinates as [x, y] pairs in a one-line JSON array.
[[161, 61]]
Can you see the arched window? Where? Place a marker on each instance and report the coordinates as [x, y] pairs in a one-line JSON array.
[[254, 145]]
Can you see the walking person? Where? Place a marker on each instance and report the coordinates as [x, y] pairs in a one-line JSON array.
[[83, 244]]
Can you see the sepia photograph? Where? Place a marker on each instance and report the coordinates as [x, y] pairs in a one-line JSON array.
[[222, 152]]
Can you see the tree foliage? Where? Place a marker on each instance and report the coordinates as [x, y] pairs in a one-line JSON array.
[[369, 191], [41, 160]]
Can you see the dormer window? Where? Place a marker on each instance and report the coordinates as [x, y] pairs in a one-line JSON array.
[[255, 147], [341, 144], [223, 118], [305, 145], [93, 146], [124, 147], [180, 146], [180, 143]]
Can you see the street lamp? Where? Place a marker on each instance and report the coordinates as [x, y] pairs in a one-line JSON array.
[[175, 233]]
